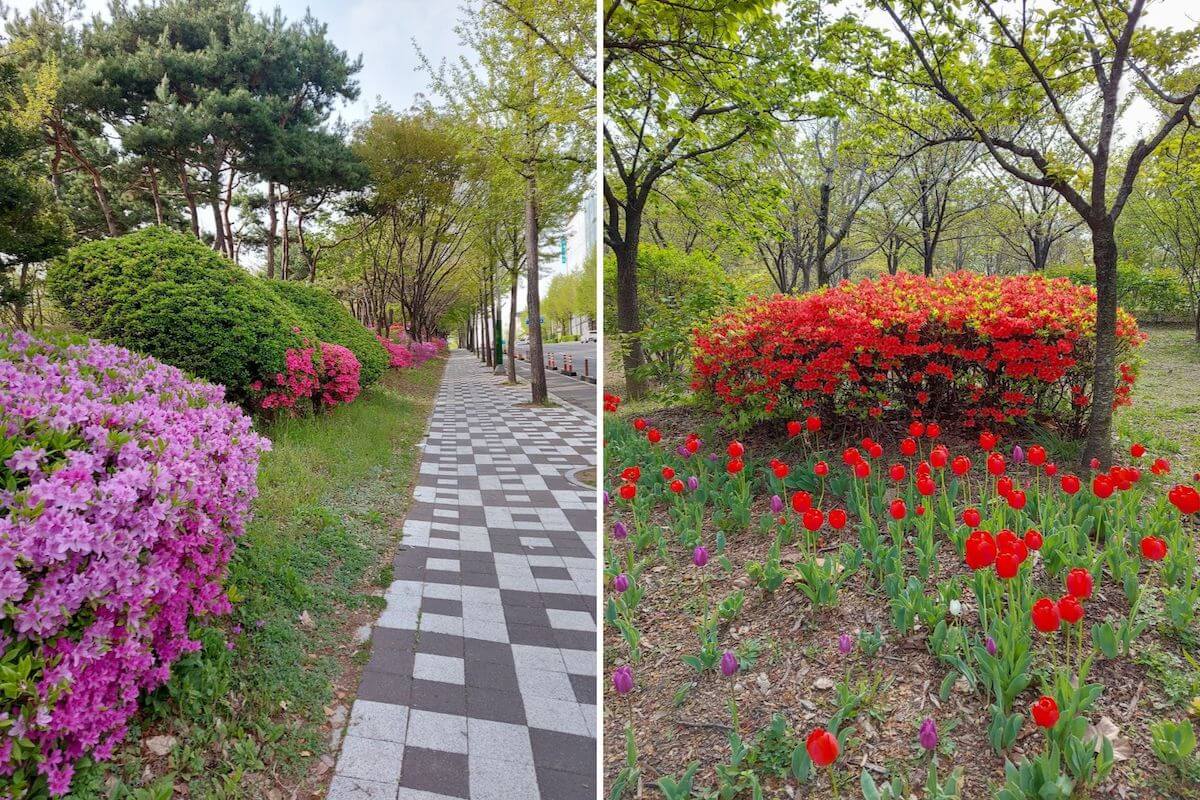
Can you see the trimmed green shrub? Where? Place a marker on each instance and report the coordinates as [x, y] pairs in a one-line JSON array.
[[1151, 295], [167, 295], [326, 315]]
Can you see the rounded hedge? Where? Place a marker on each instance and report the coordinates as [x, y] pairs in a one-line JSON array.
[[326, 315], [168, 295]]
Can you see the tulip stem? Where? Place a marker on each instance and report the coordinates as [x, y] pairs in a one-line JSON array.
[[833, 782]]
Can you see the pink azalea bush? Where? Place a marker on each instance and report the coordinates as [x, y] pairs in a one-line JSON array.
[[298, 382], [340, 381], [125, 485], [403, 351]]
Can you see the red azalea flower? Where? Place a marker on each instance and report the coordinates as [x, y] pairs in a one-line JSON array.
[[813, 519], [1045, 615], [1154, 548], [837, 519], [822, 747], [970, 517], [1045, 711]]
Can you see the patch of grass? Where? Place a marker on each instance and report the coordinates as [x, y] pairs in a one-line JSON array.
[[1165, 415], [247, 711]]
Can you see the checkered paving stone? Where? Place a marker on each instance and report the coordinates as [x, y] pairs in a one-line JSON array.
[[482, 678]]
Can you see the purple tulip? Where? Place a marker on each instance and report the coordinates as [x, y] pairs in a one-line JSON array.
[[607, 499], [928, 734], [619, 530], [700, 556], [845, 644], [623, 679], [729, 664], [1018, 455], [621, 582], [990, 646], [712, 457], [776, 504], [682, 451], [693, 483]]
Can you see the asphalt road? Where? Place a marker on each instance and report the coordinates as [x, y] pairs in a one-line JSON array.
[[578, 393]]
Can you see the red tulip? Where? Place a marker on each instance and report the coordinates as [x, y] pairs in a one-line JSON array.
[[1045, 615], [875, 450], [1070, 484], [1016, 499], [1102, 486], [640, 424], [1185, 498], [1036, 455], [735, 466], [916, 428], [971, 517], [794, 428], [1045, 711], [1051, 470], [933, 430], [654, 436], [980, 550], [1007, 565], [820, 469], [1154, 548], [837, 519], [813, 519], [897, 472], [677, 486], [908, 447], [851, 456], [631, 474], [1137, 450], [995, 464], [628, 491], [960, 466], [862, 469], [1080, 583], [781, 470], [813, 424], [692, 445], [735, 449], [1160, 466], [801, 501], [939, 456], [987, 440], [1070, 609], [1033, 539], [668, 473], [1004, 486], [898, 509], [926, 487], [822, 747]]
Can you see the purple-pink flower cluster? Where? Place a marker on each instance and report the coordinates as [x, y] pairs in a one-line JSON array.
[[404, 352], [298, 382], [125, 485], [341, 380]]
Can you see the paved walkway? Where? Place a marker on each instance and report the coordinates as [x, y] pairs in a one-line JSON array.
[[482, 678]]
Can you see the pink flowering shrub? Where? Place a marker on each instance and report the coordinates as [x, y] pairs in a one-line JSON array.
[[403, 351], [298, 383], [340, 383], [399, 355], [124, 486]]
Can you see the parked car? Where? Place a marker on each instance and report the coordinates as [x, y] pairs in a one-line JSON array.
[[590, 336]]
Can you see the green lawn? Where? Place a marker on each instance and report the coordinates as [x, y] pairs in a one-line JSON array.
[[251, 722], [1165, 415]]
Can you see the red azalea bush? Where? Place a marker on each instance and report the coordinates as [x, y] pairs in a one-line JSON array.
[[978, 348], [340, 381]]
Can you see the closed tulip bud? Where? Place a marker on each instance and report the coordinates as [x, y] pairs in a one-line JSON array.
[[623, 679], [1018, 455], [1045, 711], [928, 734], [729, 664], [693, 483], [776, 504], [845, 644], [619, 530], [837, 519], [990, 646], [621, 582], [700, 556]]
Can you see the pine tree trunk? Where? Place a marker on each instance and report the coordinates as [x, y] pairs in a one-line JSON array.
[[272, 228]]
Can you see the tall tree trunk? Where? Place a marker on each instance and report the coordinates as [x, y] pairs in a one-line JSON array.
[[190, 196], [272, 228], [158, 209], [533, 301], [628, 314], [511, 366], [214, 199], [823, 227], [1104, 256]]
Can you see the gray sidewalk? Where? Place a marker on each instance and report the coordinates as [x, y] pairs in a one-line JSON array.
[[482, 678]]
